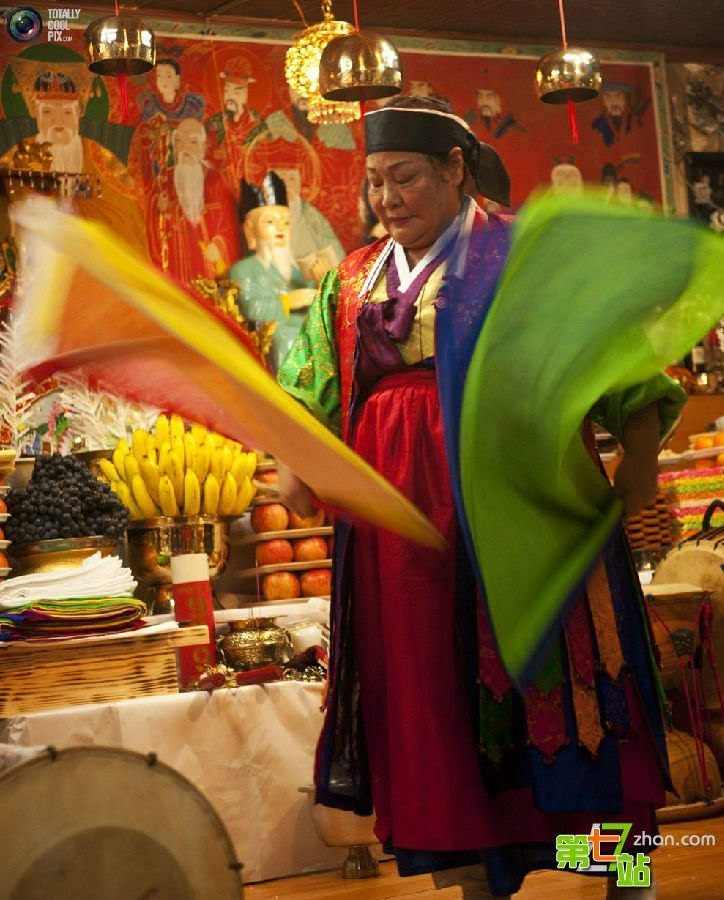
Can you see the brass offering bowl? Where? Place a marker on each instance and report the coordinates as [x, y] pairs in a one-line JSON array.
[[61, 553], [253, 643], [152, 543]]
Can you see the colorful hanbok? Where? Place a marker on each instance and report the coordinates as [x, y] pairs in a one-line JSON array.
[[422, 719]]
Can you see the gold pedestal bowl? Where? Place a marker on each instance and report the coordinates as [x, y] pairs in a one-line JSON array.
[[152, 543], [61, 553]]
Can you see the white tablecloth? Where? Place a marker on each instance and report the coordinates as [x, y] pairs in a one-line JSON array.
[[247, 750]]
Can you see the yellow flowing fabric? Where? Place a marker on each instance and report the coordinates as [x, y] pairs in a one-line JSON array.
[[90, 304]]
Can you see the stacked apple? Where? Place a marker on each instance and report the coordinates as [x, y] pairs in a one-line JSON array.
[[286, 585]]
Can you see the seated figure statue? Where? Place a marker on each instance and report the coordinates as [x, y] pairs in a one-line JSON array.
[[272, 289]]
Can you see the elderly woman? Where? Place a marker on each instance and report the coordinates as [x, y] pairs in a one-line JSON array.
[[422, 722]]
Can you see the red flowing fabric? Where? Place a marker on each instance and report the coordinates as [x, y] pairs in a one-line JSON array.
[[423, 755]]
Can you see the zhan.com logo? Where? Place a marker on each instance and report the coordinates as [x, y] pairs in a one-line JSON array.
[[24, 24]]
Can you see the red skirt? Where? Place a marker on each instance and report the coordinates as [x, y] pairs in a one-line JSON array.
[[427, 789]]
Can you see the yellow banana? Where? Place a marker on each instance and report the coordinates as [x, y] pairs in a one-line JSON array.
[[163, 431], [199, 432], [192, 494], [238, 468], [190, 450], [132, 468], [109, 470], [201, 463], [177, 427], [244, 496], [251, 464], [124, 495], [119, 454], [227, 498], [167, 496], [175, 472], [177, 445], [143, 498], [217, 464], [211, 495], [162, 454], [138, 444], [151, 476], [227, 458]]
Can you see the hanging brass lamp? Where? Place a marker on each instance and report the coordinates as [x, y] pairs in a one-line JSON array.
[[360, 66], [568, 74], [120, 44], [301, 67]]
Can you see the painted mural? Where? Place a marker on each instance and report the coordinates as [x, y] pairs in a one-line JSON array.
[[179, 176], [215, 112]]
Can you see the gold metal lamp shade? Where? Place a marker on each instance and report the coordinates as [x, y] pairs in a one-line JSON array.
[[120, 44], [568, 74], [359, 66]]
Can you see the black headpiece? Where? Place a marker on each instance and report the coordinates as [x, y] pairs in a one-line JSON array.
[[271, 192], [430, 131]]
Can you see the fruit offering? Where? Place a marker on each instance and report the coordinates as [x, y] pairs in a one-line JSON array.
[[175, 471], [63, 499]]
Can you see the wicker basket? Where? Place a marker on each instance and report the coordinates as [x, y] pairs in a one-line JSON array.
[[651, 528]]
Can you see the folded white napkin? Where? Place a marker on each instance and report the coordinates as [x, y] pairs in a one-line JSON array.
[[97, 576]]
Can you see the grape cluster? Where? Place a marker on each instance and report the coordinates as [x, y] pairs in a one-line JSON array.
[[63, 499]]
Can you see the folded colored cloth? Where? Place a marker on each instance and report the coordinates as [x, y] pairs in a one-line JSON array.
[[41, 619]]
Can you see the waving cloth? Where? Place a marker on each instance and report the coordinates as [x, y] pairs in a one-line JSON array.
[[91, 305], [594, 298], [433, 131]]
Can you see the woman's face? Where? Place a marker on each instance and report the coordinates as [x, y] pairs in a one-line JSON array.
[[414, 199]]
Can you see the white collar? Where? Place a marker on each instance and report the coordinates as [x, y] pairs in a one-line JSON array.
[[462, 224], [407, 275]]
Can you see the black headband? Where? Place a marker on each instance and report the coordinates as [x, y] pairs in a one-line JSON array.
[[430, 131]]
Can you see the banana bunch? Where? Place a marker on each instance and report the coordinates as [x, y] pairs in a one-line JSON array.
[[178, 472]]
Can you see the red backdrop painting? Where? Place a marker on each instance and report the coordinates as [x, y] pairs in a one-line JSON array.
[[216, 111]]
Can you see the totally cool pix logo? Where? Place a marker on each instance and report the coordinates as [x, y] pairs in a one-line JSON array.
[[24, 24]]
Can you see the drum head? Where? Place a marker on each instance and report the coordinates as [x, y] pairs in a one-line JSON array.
[[97, 823]]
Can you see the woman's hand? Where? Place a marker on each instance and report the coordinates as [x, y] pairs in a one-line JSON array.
[[636, 478], [294, 493]]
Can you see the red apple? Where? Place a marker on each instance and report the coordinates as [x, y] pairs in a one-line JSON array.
[[267, 477], [314, 521], [270, 552], [309, 549], [316, 583], [280, 586], [269, 517]]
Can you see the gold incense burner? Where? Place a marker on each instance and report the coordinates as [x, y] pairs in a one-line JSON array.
[[253, 643]]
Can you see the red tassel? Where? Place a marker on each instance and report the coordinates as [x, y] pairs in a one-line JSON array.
[[573, 121], [123, 92]]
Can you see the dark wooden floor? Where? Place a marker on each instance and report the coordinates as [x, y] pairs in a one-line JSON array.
[[682, 873]]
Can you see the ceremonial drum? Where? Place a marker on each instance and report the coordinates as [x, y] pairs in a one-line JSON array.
[[95, 823], [698, 561]]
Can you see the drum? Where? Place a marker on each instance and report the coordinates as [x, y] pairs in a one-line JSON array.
[[686, 770], [698, 561], [674, 612], [94, 822]]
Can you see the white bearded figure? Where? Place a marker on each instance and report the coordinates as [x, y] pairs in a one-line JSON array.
[[189, 145]]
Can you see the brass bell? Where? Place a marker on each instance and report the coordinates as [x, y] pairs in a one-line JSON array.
[[120, 44], [360, 66], [568, 74]]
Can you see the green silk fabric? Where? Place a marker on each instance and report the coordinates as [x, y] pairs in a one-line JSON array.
[[310, 371], [594, 300]]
